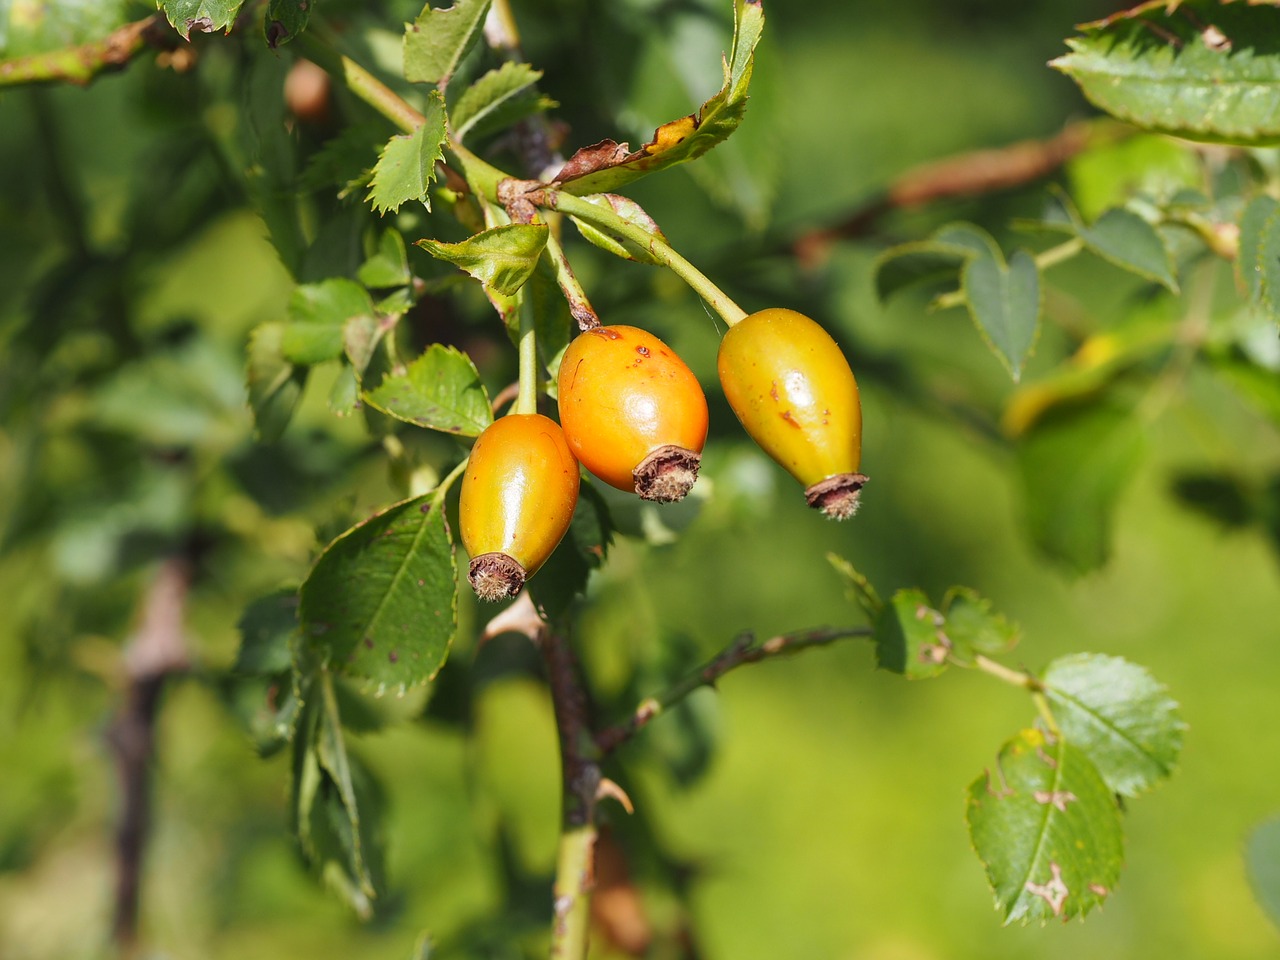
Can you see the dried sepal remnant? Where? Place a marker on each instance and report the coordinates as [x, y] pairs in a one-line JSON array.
[[495, 576], [837, 497], [667, 474]]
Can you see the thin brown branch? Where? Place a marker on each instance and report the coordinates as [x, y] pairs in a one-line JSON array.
[[743, 649], [155, 652], [970, 174], [80, 65]]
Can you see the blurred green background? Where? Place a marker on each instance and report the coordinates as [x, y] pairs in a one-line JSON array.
[[828, 821]]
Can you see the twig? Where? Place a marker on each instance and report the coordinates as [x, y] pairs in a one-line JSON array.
[[971, 174], [744, 649], [79, 65], [155, 652], [580, 770]]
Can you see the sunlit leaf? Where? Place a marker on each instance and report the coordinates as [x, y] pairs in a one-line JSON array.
[[1200, 69], [973, 625], [910, 636], [203, 16], [407, 164], [1047, 830], [438, 38], [1119, 715], [440, 390], [380, 602], [389, 265], [489, 95]]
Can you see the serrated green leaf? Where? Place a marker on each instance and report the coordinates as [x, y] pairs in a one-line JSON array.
[[381, 601], [266, 630], [1200, 69], [1004, 302], [501, 258], [607, 165], [438, 39], [858, 587], [1073, 465], [441, 390], [274, 384], [1119, 715], [331, 751], [1258, 263], [910, 636], [318, 315], [1262, 857], [1123, 238], [286, 19], [406, 167], [344, 395], [489, 94], [932, 260], [972, 624], [360, 337], [389, 265], [1047, 830], [204, 16], [632, 213]]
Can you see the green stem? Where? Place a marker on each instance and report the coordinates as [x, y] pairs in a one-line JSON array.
[[603, 217], [442, 488], [572, 891], [1018, 678], [81, 64], [527, 398], [579, 306], [360, 81]]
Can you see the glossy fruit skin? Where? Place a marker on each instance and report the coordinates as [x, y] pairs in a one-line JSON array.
[[624, 394], [794, 393], [519, 490]]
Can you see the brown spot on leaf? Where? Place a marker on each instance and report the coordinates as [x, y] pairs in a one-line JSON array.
[[393, 657], [368, 642], [1056, 798], [1054, 892]]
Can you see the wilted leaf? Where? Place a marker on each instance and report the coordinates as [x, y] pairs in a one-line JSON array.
[[1047, 830], [441, 390], [407, 165], [1119, 715], [501, 258], [1200, 69], [606, 166], [381, 600], [632, 213]]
